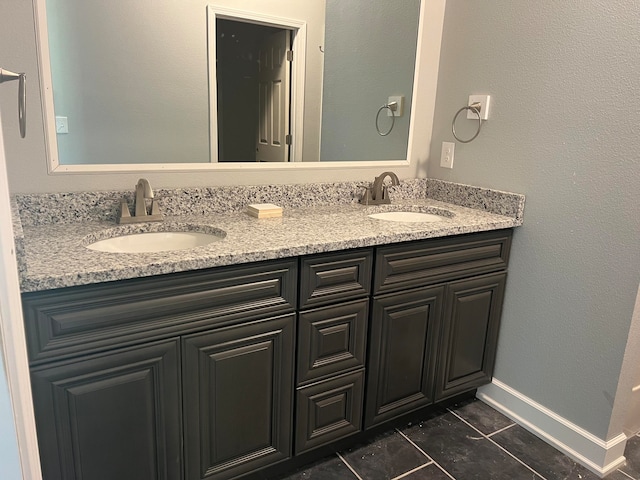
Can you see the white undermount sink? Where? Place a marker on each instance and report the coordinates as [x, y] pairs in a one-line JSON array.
[[413, 217], [147, 242]]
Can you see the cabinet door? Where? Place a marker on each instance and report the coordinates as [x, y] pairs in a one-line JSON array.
[[109, 416], [238, 389], [469, 334], [404, 335]]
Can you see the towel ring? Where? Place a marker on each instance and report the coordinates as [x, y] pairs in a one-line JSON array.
[[391, 107], [6, 76], [475, 108]]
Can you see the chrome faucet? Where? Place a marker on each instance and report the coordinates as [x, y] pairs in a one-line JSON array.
[[143, 192], [378, 192]]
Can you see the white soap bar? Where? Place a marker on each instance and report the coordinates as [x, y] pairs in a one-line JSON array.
[[264, 210]]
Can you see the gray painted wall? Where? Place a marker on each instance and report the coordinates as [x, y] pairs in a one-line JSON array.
[[563, 129], [385, 66]]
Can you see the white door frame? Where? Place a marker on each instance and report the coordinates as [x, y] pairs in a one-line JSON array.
[[13, 343], [299, 48]]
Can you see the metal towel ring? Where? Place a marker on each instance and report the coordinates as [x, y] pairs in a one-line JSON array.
[[391, 107], [475, 108], [6, 76]]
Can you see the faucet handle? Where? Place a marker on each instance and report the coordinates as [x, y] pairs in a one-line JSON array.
[[125, 213], [366, 196], [155, 209]]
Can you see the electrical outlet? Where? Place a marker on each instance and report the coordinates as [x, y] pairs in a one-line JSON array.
[[446, 157]]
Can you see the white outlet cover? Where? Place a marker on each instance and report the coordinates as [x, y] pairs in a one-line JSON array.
[[484, 106]]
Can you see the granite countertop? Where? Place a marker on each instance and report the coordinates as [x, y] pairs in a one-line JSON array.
[[54, 254]]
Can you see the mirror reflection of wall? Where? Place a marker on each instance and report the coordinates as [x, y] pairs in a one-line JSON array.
[[131, 79], [370, 53]]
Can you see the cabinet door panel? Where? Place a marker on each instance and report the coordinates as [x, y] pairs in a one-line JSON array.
[[404, 334], [469, 334], [110, 416], [238, 398]]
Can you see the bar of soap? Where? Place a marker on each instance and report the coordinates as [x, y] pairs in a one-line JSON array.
[[264, 210]]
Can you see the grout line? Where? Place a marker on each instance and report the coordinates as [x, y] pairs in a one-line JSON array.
[[414, 470], [626, 474], [496, 444], [501, 430], [425, 454], [349, 466]]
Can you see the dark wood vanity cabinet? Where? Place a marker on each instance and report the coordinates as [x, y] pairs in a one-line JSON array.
[[159, 377], [219, 373], [435, 320]]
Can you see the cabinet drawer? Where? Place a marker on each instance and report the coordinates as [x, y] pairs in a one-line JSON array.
[[328, 411], [332, 339], [65, 322], [329, 278], [421, 263]]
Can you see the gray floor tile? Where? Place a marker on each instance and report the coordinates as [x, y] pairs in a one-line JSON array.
[[386, 458], [465, 453], [330, 469], [430, 472], [632, 452], [482, 416], [542, 457]]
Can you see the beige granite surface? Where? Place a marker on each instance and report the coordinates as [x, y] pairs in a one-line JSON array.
[[55, 256]]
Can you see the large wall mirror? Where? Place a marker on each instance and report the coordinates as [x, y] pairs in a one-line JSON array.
[[222, 84]]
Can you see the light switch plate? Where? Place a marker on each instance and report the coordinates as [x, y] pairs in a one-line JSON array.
[[484, 106], [62, 125]]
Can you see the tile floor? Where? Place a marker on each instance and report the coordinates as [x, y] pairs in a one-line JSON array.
[[467, 441]]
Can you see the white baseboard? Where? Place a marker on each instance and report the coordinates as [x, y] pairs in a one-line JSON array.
[[600, 456]]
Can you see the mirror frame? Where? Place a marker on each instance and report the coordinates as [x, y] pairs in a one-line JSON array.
[[428, 50]]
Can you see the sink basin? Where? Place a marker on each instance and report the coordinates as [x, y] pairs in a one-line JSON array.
[[162, 241], [407, 217]]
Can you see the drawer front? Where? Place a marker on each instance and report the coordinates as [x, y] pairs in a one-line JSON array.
[[334, 277], [332, 339], [66, 322], [328, 411], [433, 261]]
